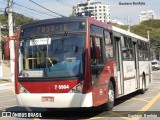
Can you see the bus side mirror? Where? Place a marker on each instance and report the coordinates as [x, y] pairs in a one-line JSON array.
[[97, 53]]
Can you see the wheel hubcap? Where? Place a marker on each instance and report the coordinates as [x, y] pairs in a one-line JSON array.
[[111, 95]]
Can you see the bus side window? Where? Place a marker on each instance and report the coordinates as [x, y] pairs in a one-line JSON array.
[[130, 49], [124, 47], [127, 48], [96, 42], [108, 45], [140, 50]]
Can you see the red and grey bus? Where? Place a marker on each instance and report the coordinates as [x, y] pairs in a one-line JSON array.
[[78, 62]]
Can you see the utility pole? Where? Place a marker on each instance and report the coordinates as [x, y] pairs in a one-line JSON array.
[[148, 35], [128, 22], [11, 43], [0, 52], [148, 32]]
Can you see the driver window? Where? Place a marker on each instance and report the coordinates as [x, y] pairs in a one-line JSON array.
[[108, 45], [96, 42]]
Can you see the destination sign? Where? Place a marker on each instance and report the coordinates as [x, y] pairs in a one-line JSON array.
[[51, 28]]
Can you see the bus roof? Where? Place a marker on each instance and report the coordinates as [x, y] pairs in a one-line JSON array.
[[46, 21], [127, 33], [119, 30], [68, 19]]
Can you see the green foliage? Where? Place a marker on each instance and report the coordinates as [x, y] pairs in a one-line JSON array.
[[141, 29], [125, 27], [21, 19], [154, 23], [153, 26], [3, 19], [72, 15], [18, 18]]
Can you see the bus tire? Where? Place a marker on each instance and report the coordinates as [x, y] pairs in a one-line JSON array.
[[111, 97], [142, 91]]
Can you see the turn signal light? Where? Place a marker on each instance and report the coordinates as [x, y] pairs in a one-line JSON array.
[[22, 89], [78, 88]]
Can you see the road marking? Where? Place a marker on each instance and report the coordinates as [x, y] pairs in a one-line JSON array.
[[95, 118], [150, 103], [146, 107], [141, 111], [113, 114], [36, 118], [140, 99]]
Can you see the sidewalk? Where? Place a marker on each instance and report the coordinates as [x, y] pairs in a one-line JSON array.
[[4, 81], [6, 84]]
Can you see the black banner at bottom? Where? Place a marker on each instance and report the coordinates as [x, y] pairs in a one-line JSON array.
[[80, 114]]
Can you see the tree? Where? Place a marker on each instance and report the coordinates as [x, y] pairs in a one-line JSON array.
[[18, 19], [154, 23]]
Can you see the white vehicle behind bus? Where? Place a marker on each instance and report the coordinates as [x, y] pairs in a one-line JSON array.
[[155, 65]]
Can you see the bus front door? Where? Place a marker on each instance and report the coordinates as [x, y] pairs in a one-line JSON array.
[[119, 66], [136, 65]]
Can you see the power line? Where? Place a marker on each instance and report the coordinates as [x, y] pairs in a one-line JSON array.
[[66, 4], [30, 9], [28, 13], [46, 8]]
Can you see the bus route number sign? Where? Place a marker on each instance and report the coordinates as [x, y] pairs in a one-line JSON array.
[[61, 87], [52, 27]]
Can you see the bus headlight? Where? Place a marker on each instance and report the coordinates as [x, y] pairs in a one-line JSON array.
[[78, 88], [22, 89]]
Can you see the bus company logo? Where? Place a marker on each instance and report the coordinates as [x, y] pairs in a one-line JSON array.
[[21, 114], [6, 114]]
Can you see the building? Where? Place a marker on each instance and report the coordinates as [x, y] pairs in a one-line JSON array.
[[147, 15], [94, 9]]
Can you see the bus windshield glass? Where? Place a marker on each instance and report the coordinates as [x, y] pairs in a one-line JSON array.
[[52, 56]]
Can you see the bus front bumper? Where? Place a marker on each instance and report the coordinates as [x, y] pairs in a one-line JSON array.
[[60, 100]]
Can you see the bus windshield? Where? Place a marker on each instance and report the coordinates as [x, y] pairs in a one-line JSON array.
[[51, 56]]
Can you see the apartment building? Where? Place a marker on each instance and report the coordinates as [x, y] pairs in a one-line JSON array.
[[147, 15], [93, 8]]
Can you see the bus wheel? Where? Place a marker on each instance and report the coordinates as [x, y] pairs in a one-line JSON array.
[[111, 97], [142, 91]]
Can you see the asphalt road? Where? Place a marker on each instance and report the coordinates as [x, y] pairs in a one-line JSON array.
[[133, 106]]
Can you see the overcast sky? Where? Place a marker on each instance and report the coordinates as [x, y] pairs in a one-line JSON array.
[[64, 7]]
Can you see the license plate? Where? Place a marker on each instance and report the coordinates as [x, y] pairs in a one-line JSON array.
[[47, 99]]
